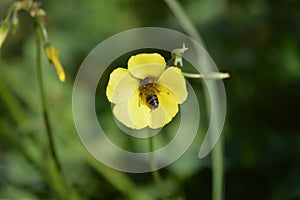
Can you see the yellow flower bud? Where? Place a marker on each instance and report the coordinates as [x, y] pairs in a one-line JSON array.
[[52, 56]]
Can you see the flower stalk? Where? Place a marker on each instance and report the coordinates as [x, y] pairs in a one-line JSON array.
[[55, 169], [42, 95], [213, 75], [217, 152], [10, 25], [155, 173]]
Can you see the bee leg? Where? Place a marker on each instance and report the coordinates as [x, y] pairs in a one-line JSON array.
[[140, 99]]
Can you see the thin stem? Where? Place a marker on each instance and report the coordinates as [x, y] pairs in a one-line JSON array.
[[170, 62], [43, 30], [56, 175], [217, 170], [43, 98], [182, 18], [10, 12], [191, 75], [155, 173], [215, 75], [217, 154]]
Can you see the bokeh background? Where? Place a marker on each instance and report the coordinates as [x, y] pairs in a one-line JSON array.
[[256, 41]]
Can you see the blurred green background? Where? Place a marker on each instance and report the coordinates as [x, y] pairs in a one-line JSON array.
[[256, 41]]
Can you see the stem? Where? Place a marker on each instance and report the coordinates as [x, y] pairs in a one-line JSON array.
[[10, 12], [155, 173], [43, 30], [56, 176], [43, 98], [190, 75], [217, 153], [217, 170], [170, 62], [184, 21], [216, 75]]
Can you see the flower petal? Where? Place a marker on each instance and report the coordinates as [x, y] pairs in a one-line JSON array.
[[121, 86], [168, 107], [121, 113], [158, 118], [173, 79], [146, 65], [138, 112], [132, 113]]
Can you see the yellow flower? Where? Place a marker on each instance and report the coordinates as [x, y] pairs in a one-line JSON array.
[[52, 56], [147, 93]]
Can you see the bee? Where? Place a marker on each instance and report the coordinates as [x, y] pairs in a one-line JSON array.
[[148, 93]]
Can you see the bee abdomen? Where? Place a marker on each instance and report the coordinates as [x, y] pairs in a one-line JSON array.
[[152, 100]]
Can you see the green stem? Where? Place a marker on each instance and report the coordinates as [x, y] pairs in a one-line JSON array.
[[217, 170], [43, 30], [184, 21], [170, 62], [10, 12], [43, 96], [155, 173], [217, 154], [55, 171]]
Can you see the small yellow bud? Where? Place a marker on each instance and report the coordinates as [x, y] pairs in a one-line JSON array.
[[52, 56]]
